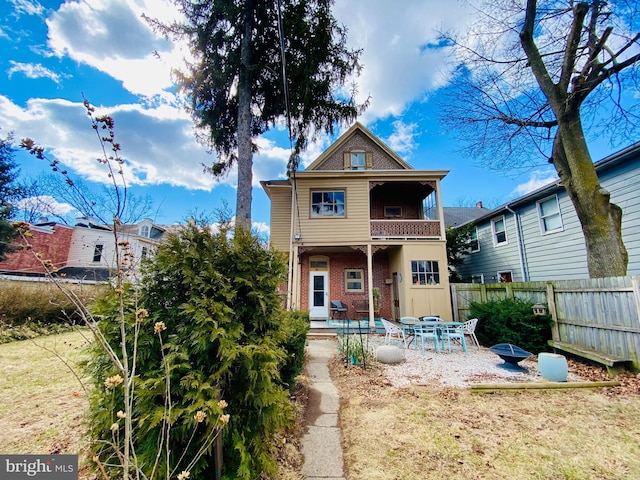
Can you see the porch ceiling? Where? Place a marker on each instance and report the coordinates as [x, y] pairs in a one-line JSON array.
[[406, 190]]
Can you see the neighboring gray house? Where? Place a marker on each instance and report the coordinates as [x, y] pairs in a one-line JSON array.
[[538, 236]]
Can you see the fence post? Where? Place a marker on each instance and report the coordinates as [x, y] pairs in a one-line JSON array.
[[635, 283], [551, 301], [454, 303]]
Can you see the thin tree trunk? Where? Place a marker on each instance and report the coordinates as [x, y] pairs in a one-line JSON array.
[[600, 219], [245, 152]]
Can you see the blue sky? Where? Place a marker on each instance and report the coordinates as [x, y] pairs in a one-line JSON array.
[[53, 52]]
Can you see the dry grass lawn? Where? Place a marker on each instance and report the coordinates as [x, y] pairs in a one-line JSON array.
[[41, 402], [428, 432]]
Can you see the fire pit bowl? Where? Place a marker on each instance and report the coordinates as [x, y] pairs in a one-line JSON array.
[[510, 353]]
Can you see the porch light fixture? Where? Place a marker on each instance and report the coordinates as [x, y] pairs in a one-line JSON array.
[[297, 237]]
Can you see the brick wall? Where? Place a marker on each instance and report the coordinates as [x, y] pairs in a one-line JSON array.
[[338, 263], [52, 244]]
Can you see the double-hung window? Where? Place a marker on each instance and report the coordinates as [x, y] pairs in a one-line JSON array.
[[358, 161], [499, 231], [353, 280], [327, 204], [425, 272], [474, 244], [549, 214]]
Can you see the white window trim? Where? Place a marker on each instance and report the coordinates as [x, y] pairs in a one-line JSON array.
[[431, 274], [364, 160], [499, 275], [493, 232], [541, 218], [477, 242], [477, 275]]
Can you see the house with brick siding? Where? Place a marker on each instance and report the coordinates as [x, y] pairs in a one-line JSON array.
[[360, 217], [85, 251]]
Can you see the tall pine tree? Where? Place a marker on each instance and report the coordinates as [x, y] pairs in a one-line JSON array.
[[235, 84]]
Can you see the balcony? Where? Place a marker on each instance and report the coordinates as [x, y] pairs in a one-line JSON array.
[[405, 229]]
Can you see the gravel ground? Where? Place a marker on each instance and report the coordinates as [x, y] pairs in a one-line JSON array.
[[456, 368]]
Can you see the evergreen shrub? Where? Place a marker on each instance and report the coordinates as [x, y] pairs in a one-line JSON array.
[[511, 321], [227, 338]]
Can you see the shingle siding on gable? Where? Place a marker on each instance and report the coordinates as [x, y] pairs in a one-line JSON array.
[[358, 142]]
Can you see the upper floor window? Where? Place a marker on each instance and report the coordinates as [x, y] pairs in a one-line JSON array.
[[549, 214], [474, 244], [327, 204], [144, 231], [97, 252], [358, 161], [499, 231], [425, 272], [393, 212]]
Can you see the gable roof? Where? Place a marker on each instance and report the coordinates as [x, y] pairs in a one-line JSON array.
[[355, 128], [455, 216], [619, 158]]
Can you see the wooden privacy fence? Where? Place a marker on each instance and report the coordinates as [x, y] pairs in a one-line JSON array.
[[599, 314]]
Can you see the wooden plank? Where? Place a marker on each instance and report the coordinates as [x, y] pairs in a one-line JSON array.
[[496, 387], [600, 357]]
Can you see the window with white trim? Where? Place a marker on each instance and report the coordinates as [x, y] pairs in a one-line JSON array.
[[144, 231], [477, 278], [425, 272], [358, 161], [499, 231], [353, 280], [474, 244], [549, 215], [505, 277], [327, 204]]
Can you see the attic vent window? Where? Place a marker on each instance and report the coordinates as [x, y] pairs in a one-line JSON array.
[[358, 161]]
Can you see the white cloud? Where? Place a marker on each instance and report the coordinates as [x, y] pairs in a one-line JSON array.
[[399, 40], [27, 7], [113, 38], [538, 179], [402, 140], [45, 205], [31, 70]]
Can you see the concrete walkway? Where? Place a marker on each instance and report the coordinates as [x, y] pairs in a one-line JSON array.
[[322, 445]]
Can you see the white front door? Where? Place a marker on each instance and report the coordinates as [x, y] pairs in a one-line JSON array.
[[318, 295]]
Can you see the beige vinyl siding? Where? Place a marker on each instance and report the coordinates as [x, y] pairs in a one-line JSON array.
[[352, 228], [280, 218]]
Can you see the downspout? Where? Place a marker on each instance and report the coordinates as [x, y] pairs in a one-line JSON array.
[[525, 275], [291, 236]]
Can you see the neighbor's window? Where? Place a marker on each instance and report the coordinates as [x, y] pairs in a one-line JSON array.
[[97, 253], [144, 231], [353, 280], [393, 212], [473, 240], [425, 272], [549, 214], [505, 277], [327, 204], [499, 231], [358, 161], [477, 278], [145, 252]]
